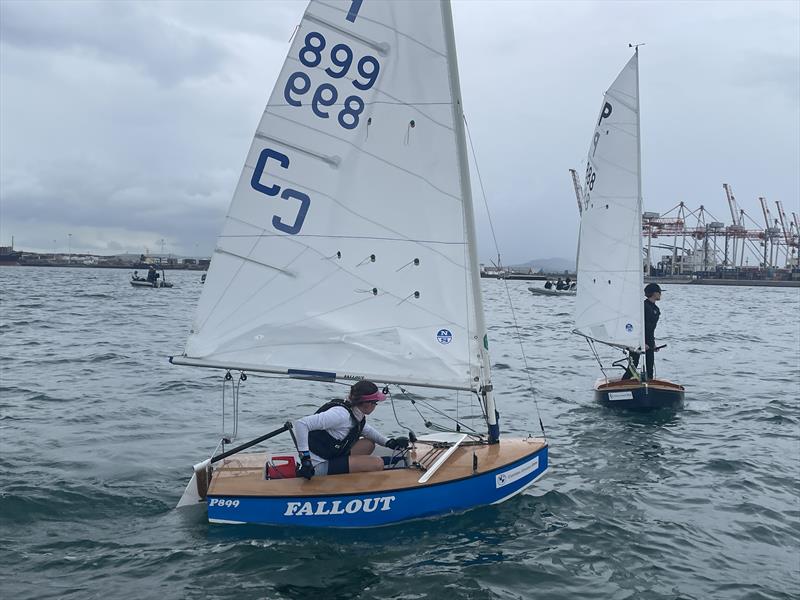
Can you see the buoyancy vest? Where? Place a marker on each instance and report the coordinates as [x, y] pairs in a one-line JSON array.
[[323, 444]]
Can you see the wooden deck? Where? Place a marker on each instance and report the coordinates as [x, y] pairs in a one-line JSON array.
[[616, 385], [243, 475]]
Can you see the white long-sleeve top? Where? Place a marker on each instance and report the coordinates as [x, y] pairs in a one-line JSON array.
[[337, 422]]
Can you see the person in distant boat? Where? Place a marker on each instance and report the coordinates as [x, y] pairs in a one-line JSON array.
[[337, 439], [152, 276], [548, 285], [559, 284], [652, 292], [135, 276]]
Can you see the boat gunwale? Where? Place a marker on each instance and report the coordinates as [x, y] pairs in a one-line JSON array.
[[416, 485], [624, 385]]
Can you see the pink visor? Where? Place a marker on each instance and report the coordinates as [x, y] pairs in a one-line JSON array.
[[378, 396]]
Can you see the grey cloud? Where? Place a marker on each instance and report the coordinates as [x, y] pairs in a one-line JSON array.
[[123, 32]]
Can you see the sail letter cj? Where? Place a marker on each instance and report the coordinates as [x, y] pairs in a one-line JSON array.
[[273, 190]]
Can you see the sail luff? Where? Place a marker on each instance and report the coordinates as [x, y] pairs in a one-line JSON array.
[[639, 185], [469, 216]]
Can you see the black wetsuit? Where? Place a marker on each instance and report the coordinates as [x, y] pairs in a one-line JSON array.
[[651, 315]]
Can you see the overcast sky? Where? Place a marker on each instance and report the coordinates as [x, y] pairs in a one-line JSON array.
[[125, 123]]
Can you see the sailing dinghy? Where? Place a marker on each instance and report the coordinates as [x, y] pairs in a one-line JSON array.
[[609, 305], [348, 253]]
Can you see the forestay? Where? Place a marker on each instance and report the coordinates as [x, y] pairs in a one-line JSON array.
[[345, 250], [608, 306]]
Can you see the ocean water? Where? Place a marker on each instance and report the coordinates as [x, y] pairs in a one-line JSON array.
[[99, 433]]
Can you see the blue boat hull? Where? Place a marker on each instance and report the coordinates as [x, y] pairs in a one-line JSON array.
[[386, 507], [640, 396]]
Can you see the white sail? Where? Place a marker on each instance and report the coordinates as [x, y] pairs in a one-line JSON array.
[[608, 306], [345, 250]]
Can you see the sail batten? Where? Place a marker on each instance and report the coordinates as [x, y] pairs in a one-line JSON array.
[[345, 248], [608, 306]]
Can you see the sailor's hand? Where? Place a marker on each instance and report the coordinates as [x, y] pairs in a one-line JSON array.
[[306, 468], [398, 443]]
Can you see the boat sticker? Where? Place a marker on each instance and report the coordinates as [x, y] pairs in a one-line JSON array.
[[338, 507], [444, 336], [629, 327], [507, 477], [614, 396]]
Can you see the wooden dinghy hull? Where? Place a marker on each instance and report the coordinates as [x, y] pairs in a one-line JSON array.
[[239, 493], [634, 394]]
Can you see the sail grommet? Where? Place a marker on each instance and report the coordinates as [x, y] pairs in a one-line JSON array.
[[411, 125], [370, 258], [414, 262]]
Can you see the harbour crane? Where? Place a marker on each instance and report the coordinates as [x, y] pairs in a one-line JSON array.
[[787, 234], [737, 217]]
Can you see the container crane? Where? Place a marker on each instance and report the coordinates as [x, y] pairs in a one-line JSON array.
[[737, 226]]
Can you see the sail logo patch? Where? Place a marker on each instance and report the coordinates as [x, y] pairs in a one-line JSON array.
[[629, 327], [515, 474], [444, 336]]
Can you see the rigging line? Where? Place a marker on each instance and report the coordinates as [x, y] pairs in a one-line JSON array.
[[342, 237], [590, 341], [369, 102], [505, 282], [360, 149], [379, 224], [427, 422], [236, 274], [339, 268]]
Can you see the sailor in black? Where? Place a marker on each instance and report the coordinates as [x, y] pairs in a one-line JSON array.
[[652, 292], [337, 439]]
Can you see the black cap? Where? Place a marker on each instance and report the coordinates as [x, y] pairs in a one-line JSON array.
[[651, 288]]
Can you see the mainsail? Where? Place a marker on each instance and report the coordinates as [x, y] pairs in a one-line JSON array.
[[608, 306], [346, 248]]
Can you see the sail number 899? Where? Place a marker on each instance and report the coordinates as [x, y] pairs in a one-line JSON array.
[[327, 95]]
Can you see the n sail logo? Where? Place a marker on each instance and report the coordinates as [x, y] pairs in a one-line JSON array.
[[444, 336]]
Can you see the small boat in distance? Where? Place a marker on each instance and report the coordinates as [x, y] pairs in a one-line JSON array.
[[349, 253], [609, 307], [152, 280], [569, 289]]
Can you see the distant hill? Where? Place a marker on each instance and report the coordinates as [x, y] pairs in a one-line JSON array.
[[549, 265]]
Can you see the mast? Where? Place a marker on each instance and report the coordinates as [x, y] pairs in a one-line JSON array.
[[469, 218], [639, 188]]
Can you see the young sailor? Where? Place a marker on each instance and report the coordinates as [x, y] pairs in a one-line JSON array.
[[652, 292], [336, 439]]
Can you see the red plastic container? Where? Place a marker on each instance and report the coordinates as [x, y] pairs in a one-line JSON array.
[[282, 467]]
